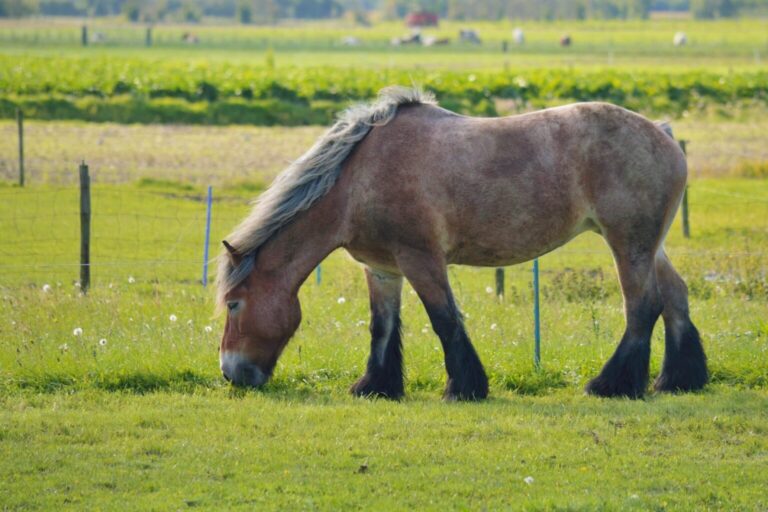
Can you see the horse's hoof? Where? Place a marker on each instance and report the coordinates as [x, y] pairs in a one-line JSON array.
[[690, 379], [466, 393], [600, 386], [369, 387]]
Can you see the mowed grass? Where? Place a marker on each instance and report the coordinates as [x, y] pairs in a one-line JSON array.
[[132, 410], [217, 450]]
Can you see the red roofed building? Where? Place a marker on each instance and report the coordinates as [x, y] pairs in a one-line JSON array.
[[422, 19]]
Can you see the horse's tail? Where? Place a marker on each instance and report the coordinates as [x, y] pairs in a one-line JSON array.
[[308, 179], [665, 127]]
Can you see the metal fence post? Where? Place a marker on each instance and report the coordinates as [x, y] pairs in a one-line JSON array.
[[536, 316], [684, 206], [209, 208], [20, 122], [318, 274], [85, 228]]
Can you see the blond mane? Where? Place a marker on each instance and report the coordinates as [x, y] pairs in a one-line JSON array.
[[307, 180]]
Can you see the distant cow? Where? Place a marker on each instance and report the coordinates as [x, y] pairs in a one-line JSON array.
[[414, 38], [350, 41], [190, 38], [680, 39], [469, 35], [518, 36], [434, 41], [565, 41]]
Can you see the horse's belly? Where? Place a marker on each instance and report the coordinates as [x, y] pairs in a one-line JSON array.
[[516, 221]]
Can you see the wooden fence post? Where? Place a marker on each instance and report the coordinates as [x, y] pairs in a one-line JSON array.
[[20, 122], [148, 37], [500, 282], [84, 35], [85, 228], [684, 206]]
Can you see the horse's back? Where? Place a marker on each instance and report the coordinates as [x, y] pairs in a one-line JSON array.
[[488, 191]]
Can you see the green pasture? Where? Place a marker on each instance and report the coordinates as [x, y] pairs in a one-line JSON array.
[[719, 39], [133, 410]]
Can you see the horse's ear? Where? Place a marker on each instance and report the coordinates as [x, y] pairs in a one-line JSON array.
[[233, 254]]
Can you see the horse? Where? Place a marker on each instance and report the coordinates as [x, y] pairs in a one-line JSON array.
[[407, 188]]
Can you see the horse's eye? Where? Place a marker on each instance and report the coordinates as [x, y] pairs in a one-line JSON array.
[[233, 305]]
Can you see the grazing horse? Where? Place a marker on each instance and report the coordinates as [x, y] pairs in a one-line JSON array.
[[408, 188]]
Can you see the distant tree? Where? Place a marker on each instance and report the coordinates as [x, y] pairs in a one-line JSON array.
[[18, 8]]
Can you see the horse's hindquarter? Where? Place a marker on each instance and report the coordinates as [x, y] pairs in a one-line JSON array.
[[495, 191]]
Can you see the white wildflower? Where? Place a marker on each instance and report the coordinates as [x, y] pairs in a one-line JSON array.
[[64, 347], [493, 327], [78, 331], [488, 289], [131, 280], [341, 300], [208, 328], [189, 322], [46, 288]]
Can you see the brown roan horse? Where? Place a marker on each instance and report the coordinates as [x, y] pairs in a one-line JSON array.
[[408, 188]]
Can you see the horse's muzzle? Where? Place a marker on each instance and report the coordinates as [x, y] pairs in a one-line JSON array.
[[240, 372]]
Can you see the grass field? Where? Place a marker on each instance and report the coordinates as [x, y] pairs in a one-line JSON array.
[[114, 400], [133, 408]]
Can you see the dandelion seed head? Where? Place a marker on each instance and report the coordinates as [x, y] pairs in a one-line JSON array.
[[63, 347], [172, 318], [131, 280], [103, 342], [528, 480], [341, 300], [77, 331], [46, 288], [488, 289], [494, 327], [208, 328]]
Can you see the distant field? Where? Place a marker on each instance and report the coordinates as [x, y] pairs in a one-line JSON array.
[[236, 155], [729, 42], [299, 75]]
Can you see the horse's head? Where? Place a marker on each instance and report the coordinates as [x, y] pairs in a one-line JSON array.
[[261, 318]]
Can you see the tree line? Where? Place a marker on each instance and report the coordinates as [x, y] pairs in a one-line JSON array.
[[267, 11]]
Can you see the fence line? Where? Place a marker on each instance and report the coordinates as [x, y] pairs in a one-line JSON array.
[[191, 225]]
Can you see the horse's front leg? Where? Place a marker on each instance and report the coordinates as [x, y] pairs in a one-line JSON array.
[[466, 376], [384, 375]]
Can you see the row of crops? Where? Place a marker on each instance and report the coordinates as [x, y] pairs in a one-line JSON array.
[[126, 89]]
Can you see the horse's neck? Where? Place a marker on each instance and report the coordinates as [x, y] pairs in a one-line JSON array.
[[297, 248]]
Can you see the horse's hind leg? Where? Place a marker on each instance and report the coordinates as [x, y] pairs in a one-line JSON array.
[[384, 374], [466, 376], [626, 372], [685, 365]]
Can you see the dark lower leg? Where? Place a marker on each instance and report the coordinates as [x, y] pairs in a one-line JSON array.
[[384, 372], [626, 372], [685, 364], [466, 376]]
